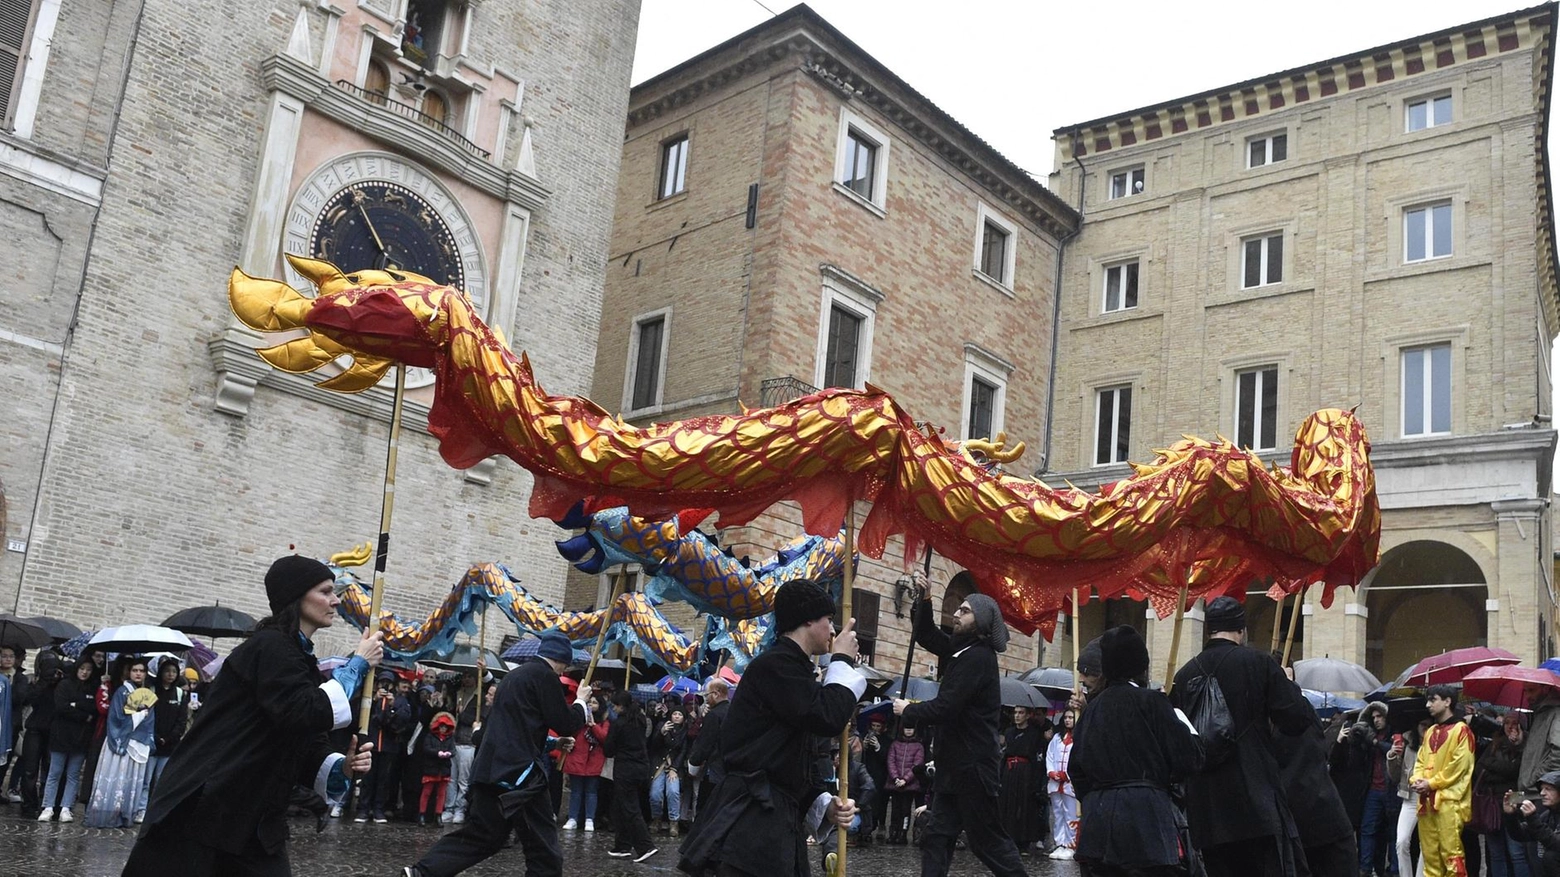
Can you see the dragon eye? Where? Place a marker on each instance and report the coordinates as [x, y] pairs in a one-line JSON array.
[[397, 277], [353, 278]]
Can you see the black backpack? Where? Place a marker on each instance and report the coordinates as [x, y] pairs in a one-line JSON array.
[[1210, 714]]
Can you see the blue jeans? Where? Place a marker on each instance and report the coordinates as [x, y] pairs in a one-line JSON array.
[[68, 766], [1378, 826], [154, 769], [582, 798], [1506, 856], [666, 795]]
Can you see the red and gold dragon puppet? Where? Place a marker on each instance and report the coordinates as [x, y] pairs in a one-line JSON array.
[[1206, 516]]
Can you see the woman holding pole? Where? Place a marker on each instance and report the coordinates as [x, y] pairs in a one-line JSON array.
[[221, 807]]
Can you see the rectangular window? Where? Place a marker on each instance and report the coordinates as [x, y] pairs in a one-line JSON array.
[[993, 252], [15, 27], [1256, 408], [1427, 390], [1266, 150], [1121, 287], [1427, 232], [866, 606], [647, 364], [1113, 425], [860, 164], [674, 167], [983, 407], [844, 348], [1124, 184], [1262, 261], [1429, 112]]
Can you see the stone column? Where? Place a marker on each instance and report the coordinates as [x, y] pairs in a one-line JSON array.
[[1512, 603], [1160, 633]]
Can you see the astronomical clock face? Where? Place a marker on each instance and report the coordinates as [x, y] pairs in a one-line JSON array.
[[375, 210]]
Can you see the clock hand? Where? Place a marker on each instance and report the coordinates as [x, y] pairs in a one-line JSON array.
[[368, 222]]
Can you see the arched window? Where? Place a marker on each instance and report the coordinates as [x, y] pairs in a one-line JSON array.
[[436, 108], [377, 82], [959, 587]]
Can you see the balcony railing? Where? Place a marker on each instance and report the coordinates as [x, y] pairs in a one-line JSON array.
[[415, 115], [778, 391]]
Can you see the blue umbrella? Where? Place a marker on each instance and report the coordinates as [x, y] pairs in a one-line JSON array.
[[678, 685], [1551, 664], [1328, 704], [525, 648], [883, 709]]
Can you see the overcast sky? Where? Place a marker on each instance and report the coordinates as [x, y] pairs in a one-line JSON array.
[[1012, 71]]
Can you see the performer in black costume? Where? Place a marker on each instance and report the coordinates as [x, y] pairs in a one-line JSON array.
[[966, 710], [220, 807], [508, 789], [754, 822], [1023, 776]]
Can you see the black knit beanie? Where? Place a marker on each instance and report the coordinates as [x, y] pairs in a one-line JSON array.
[[800, 601], [1123, 654], [1223, 615], [290, 577]]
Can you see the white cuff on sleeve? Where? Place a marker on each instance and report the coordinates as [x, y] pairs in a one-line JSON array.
[[340, 707], [322, 779], [841, 673], [1185, 721], [817, 816]]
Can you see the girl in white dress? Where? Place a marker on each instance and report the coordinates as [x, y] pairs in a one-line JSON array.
[[1064, 801]]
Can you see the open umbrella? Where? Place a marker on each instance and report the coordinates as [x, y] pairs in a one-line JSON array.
[[1328, 704], [20, 634], [1398, 687], [1331, 674], [678, 685], [1452, 666], [920, 689], [1516, 687], [877, 681], [464, 657], [1015, 693], [137, 638], [1055, 682], [58, 630], [1551, 664], [212, 621], [526, 648], [1404, 712], [882, 710]]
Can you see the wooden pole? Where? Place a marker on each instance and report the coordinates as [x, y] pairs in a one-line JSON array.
[[1294, 622], [1175, 640], [842, 847], [628, 668], [481, 653], [386, 510], [1077, 683], [606, 619], [1278, 623]]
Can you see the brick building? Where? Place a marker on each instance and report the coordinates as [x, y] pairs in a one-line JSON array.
[[148, 460], [791, 215], [1374, 230]]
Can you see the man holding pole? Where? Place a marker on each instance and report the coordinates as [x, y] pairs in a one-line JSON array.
[[753, 824], [508, 789], [1236, 807], [967, 708]]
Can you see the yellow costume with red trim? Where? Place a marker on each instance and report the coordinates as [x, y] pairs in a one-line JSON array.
[[1446, 762]]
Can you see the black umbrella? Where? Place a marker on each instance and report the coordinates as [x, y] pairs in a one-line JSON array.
[[19, 633], [212, 621], [464, 657], [1404, 713], [1016, 693], [1055, 683], [57, 629], [920, 689]]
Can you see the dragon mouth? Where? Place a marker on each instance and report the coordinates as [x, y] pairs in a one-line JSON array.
[[376, 321]]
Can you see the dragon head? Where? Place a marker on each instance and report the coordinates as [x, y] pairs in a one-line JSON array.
[[378, 318]]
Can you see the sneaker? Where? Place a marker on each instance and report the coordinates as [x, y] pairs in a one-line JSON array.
[[590, 825], [335, 811], [14, 797], [361, 817], [644, 856], [140, 818], [460, 817], [65, 815], [1063, 853], [47, 814], [379, 819], [620, 854], [447, 817], [570, 825]]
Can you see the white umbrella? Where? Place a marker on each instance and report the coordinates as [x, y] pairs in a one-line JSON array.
[[138, 638]]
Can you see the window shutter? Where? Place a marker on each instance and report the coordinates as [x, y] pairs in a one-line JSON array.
[[15, 16]]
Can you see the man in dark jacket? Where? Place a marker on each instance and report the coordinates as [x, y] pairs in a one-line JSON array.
[[755, 819], [1538, 823], [1129, 748], [966, 709], [35, 740], [508, 788], [1358, 764], [389, 719], [1326, 834], [705, 757], [1237, 810]]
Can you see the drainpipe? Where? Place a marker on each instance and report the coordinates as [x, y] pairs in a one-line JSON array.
[[1056, 316]]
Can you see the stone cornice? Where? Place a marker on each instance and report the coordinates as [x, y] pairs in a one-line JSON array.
[[1525, 443], [1526, 29], [288, 75], [799, 36]]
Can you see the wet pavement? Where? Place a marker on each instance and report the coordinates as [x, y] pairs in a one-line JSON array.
[[348, 849]]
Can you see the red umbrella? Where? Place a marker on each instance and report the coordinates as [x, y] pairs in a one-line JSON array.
[[1451, 667], [1510, 686]]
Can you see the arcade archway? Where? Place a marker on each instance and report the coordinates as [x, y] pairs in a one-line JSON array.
[[1425, 597]]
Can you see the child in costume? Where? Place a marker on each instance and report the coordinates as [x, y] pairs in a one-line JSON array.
[[438, 748]]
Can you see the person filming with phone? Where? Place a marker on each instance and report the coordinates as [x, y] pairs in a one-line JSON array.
[[1538, 823]]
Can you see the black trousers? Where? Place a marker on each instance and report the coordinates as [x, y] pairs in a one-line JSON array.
[[35, 753], [379, 786], [1337, 859], [486, 830], [167, 850], [628, 818], [1254, 857], [974, 813], [1116, 871]]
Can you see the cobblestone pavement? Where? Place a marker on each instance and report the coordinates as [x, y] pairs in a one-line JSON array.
[[347, 849]]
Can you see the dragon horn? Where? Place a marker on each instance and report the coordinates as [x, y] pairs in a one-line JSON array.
[[365, 373], [317, 271], [266, 305]]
